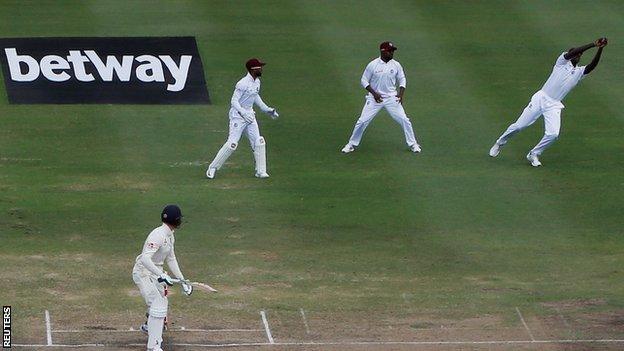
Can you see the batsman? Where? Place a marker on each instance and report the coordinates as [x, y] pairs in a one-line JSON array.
[[152, 280]]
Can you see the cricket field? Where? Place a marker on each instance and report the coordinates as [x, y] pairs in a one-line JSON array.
[[380, 249]]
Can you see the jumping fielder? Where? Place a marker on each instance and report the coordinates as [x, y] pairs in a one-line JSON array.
[[243, 119], [380, 79], [149, 276], [547, 101]]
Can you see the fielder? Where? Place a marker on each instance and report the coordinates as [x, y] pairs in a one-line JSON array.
[[547, 101], [149, 276], [380, 79], [243, 119]]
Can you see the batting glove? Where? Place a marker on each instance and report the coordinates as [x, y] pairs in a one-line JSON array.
[[187, 288], [164, 278]]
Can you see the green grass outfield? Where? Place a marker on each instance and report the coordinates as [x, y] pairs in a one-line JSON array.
[[449, 233]]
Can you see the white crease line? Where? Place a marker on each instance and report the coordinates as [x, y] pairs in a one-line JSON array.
[[48, 328], [352, 343], [61, 345], [305, 321], [169, 330], [524, 323], [219, 330], [266, 327]]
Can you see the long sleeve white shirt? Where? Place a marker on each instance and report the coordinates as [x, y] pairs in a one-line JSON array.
[[246, 94], [158, 249], [383, 77]]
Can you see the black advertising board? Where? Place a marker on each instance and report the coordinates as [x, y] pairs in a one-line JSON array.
[[134, 70]]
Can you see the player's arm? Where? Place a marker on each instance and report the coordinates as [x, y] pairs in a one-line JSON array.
[[581, 49], [365, 81], [402, 83], [590, 67], [174, 267], [271, 111], [400, 94], [172, 263], [152, 245], [235, 101]]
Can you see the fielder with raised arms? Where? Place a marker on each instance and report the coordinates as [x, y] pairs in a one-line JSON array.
[[380, 79], [547, 101], [243, 119], [149, 276]]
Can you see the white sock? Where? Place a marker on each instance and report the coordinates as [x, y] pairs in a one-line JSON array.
[[154, 332]]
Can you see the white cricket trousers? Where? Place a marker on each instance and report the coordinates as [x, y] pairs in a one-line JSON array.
[[540, 104], [238, 126], [155, 298], [370, 110], [148, 285]]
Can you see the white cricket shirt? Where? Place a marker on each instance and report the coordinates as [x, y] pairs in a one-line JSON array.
[[246, 93], [158, 245], [383, 77], [563, 78]]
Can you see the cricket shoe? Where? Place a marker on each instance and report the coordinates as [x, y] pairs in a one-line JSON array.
[[210, 173], [348, 148], [535, 162], [143, 328], [262, 175], [415, 148], [495, 150]]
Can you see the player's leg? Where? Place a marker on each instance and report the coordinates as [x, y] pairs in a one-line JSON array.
[[147, 289], [236, 130], [397, 112], [552, 126], [258, 146], [529, 115], [155, 322], [369, 111]]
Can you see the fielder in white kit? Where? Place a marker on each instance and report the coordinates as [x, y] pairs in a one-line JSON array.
[[380, 79], [547, 101], [243, 119], [149, 276]]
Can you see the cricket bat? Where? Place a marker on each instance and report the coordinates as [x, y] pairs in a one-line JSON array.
[[201, 286]]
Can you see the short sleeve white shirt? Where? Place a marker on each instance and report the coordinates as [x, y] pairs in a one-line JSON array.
[[384, 77], [563, 78]]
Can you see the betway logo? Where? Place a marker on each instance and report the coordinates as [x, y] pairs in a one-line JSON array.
[[25, 68]]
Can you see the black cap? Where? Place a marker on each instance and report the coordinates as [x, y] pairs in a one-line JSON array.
[[171, 214]]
